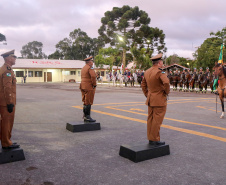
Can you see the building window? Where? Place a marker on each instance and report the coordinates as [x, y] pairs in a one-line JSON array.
[[73, 72], [102, 73], [38, 73], [30, 73], [66, 73], [79, 73], [19, 74]]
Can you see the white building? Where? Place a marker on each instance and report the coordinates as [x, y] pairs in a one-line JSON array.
[[44, 70]]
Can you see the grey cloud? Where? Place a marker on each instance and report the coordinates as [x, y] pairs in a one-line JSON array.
[[184, 22]]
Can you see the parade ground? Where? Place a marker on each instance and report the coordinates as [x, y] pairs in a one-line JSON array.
[[192, 128]]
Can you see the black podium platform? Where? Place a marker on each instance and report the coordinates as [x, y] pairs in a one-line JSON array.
[[82, 126], [142, 152], [12, 155]]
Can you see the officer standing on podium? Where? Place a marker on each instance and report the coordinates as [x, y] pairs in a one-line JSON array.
[[155, 86], [7, 100], [87, 87]]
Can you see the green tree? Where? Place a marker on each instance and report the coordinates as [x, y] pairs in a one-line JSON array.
[[108, 56], [173, 59], [220, 34], [126, 27], [208, 53], [2, 37], [33, 50], [142, 57], [77, 46]]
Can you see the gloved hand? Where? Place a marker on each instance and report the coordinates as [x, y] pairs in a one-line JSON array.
[[10, 108]]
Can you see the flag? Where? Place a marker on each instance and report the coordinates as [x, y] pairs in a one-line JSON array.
[[220, 60]]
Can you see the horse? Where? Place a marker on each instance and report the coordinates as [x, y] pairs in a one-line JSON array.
[[188, 78], [139, 79], [199, 82], [170, 76], [221, 72], [192, 82], [100, 79], [176, 79], [205, 82], [182, 82], [211, 80]]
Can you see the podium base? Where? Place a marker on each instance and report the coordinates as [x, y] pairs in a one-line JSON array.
[[138, 153], [82, 126], [11, 155]]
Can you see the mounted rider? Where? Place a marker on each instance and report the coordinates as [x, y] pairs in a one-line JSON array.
[[195, 78], [187, 74], [207, 79], [200, 82], [176, 75], [182, 80]]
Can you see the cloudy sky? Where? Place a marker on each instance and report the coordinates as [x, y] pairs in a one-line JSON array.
[[186, 23]]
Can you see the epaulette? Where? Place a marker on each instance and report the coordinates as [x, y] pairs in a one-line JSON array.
[[163, 72]]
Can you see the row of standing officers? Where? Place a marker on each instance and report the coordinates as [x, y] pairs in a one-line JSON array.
[[155, 86]]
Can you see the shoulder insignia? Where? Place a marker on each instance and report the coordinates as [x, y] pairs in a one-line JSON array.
[[8, 74], [9, 68], [91, 68], [163, 72]]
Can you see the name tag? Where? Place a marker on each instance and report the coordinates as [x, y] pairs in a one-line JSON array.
[[8, 74]]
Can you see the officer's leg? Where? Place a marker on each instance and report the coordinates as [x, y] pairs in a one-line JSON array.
[[149, 123], [6, 126], [89, 101], [158, 116], [155, 118]]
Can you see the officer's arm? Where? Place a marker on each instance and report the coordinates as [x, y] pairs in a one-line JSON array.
[[7, 84], [93, 77], [144, 87], [165, 82]]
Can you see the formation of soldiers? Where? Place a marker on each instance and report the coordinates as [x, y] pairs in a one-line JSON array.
[[196, 81]]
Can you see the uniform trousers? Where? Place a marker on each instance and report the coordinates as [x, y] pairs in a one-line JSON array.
[[6, 125], [88, 96], [154, 122]]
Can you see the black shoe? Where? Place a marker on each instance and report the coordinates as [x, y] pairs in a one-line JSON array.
[[11, 146], [156, 143], [87, 118]]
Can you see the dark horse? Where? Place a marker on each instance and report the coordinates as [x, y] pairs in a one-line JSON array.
[[199, 82], [188, 79], [182, 82], [175, 81], [221, 72]]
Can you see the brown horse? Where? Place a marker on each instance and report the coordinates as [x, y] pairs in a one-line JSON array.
[[182, 82], [188, 78], [212, 77], [176, 80], [221, 72]]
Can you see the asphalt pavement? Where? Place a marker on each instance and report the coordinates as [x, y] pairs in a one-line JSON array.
[[192, 128]]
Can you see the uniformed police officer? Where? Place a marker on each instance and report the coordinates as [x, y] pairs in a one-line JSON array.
[[195, 78], [87, 87], [155, 86], [176, 75], [7, 100], [201, 78]]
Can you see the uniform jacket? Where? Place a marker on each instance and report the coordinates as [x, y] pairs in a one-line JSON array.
[[88, 78], [7, 85], [155, 86]]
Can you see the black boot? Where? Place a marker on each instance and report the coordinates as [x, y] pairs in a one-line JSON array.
[[87, 117]]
